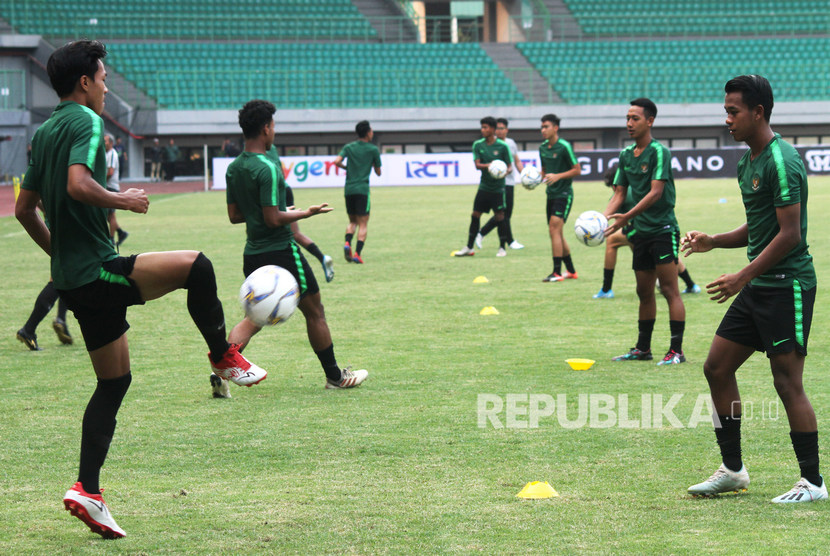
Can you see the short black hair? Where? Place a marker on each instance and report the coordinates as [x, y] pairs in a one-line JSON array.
[[649, 108], [552, 118], [755, 90], [71, 61], [362, 128], [502, 121], [489, 120], [609, 175], [255, 115]]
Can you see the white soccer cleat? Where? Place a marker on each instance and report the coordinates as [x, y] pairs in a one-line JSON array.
[[328, 268], [722, 481], [501, 252], [237, 369], [465, 252], [91, 509], [803, 491], [349, 379], [479, 238], [516, 245]]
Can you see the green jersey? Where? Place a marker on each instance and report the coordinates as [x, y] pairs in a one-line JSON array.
[[636, 173], [361, 157], [256, 181], [776, 178], [73, 134], [557, 157], [485, 154]]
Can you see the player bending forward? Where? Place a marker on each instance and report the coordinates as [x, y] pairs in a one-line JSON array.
[[775, 293]]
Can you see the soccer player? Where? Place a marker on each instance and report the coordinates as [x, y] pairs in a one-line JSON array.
[[256, 196], [306, 242], [67, 172], [620, 239], [490, 194], [509, 184], [645, 168], [775, 292], [361, 157], [559, 167], [113, 178]]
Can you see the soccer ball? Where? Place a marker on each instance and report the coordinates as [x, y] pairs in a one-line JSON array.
[[269, 295], [590, 228], [497, 169], [531, 177]]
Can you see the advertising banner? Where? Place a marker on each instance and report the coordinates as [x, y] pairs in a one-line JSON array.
[[458, 168]]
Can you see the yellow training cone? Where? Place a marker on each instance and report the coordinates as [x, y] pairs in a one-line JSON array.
[[536, 490], [480, 280], [489, 311]]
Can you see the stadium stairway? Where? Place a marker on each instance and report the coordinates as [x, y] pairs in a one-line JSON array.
[[380, 14], [564, 25], [537, 89]]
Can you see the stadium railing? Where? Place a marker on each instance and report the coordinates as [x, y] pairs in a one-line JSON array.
[[12, 90]]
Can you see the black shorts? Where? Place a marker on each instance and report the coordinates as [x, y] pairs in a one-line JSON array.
[[101, 306], [774, 320], [649, 251], [289, 196], [358, 205], [486, 201], [289, 259], [560, 207]]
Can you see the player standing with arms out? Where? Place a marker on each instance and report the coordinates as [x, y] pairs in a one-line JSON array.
[[620, 239], [256, 196], [775, 292], [67, 172], [490, 194], [559, 167], [361, 156], [509, 188], [645, 168]]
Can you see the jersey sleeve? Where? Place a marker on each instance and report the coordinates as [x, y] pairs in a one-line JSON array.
[[377, 158], [86, 139], [268, 181], [661, 164], [571, 155], [476, 153], [506, 156], [344, 152], [620, 177], [786, 178], [230, 186]]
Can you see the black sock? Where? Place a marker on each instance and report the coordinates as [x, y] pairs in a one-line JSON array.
[[314, 250], [729, 441], [329, 363], [488, 226], [607, 279], [686, 278], [676, 327], [646, 327], [475, 225], [205, 308], [557, 265], [61, 310], [359, 247], [43, 304], [98, 428], [349, 239], [504, 234], [805, 445], [569, 263]]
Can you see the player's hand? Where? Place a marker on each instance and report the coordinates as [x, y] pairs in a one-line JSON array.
[[137, 200], [319, 209], [725, 287], [620, 220], [696, 242], [551, 179]]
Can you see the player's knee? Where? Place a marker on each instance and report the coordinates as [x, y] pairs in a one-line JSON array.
[[201, 271]]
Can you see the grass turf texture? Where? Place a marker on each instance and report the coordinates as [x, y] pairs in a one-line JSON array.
[[400, 465]]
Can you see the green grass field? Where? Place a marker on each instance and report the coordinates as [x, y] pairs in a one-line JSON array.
[[401, 465]]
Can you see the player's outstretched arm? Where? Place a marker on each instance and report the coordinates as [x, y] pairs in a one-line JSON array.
[[26, 212], [699, 242], [274, 217]]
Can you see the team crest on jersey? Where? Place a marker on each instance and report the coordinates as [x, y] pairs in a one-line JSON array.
[[495, 152], [555, 155], [756, 182], [644, 168]]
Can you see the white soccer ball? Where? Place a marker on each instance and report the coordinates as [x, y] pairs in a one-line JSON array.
[[531, 177], [590, 228], [269, 295], [497, 169]]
